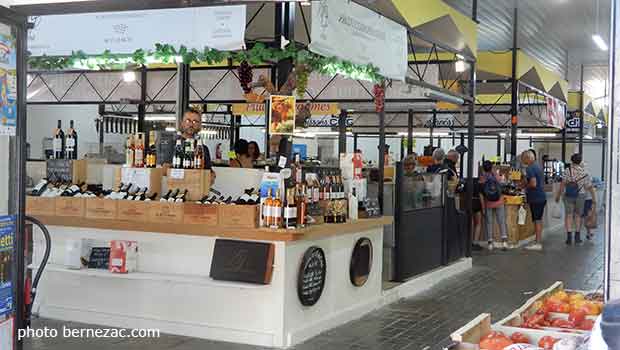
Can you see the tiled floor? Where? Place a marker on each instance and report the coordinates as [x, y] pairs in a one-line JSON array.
[[498, 283]]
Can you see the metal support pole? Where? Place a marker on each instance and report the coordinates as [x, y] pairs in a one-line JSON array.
[[433, 122], [462, 163], [514, 105], [381, 157], [402, 148], [182, 91], [267, 123], [342, 132], [410, 132], [142, 106], [603, 155], [564, 145], [19, 245], [284, 28], [471, 130], [232, 135], [237, 131], [499, 146], [354, 142], [581, 114], [101, 128]]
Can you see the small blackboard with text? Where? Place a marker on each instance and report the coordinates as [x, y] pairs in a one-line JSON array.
[[241, 261], [99, 258], [60, 170], [311, 278]]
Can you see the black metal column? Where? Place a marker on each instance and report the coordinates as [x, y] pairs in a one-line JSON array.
[[342, 132], [514, 104], [381, 157], [233, 130], [354, 142], [267, 108], [284, 28], [183, 72], [603, 155], [581, 113], [237, 131], [462, 163], [433, 123], [471, 130], [142, 105], [564, 145], [499, 146], [410, 132]]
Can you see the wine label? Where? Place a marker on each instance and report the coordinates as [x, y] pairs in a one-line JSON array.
[[57, 145], [267, 209], [70, 142], [290, 212], [276, 212]]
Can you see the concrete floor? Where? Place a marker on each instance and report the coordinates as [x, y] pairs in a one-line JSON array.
[[499, 283]]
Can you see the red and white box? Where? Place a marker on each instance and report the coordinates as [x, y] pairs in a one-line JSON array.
[[123, 256]]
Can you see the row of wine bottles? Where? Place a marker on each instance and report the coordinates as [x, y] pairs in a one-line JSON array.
[[139, 156], [189, 154], [64, 145]]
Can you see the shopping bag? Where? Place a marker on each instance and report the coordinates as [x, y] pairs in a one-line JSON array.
[[592, 220], [522, 216], [556, 211]]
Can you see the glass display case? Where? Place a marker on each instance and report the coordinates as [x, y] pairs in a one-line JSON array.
[[421, 191]]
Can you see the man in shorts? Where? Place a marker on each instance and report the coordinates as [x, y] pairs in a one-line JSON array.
[[536, 196]]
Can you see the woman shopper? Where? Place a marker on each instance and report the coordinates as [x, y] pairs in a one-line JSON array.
[[536, 196], [243, 159], [493, 205], [575, 182]]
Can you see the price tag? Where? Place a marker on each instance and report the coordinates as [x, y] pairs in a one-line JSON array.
[[286, 173], [178, 174], [282, 162]]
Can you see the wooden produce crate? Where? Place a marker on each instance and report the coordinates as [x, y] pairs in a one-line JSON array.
[[67, 170], [165, 213], [150, 178], [196, 182], [468, 337], [238, 216], [134, 211], [200, 214], [105, 209], [40, 206], [70, 207]]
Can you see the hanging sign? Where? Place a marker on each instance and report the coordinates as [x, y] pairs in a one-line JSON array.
[[218, 27], [355, 33], [282, 115], [8, 82], [445, 121], [257, 109], [556, 113], [7, 235]]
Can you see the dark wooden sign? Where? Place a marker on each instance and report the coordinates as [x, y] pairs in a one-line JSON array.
[[311, 278], [60, 170], [361, 262], [99, 258], [242, 261]]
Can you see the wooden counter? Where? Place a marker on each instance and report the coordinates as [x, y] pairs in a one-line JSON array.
[[260, 234]]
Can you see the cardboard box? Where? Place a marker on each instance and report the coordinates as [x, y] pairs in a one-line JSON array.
[[165, 213], [135, 211], [200, 214], [238, 216], [150, 178], [197, 182], [97, 208], [70, 207], [123, 256], [40, 206]]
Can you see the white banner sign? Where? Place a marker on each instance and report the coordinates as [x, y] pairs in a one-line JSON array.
[[354, 33], [221, 27], [556, 113]]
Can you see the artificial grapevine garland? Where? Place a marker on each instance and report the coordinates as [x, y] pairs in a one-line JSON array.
[[246, 76], [379, 91]]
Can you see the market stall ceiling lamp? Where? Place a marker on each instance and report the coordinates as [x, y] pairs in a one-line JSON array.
[[600, 42]]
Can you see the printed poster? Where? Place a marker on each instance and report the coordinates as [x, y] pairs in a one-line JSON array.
[[282, 115], [556, 113], [8, 84], [7, 235]]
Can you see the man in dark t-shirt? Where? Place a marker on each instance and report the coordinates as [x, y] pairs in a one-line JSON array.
[[536, 196]]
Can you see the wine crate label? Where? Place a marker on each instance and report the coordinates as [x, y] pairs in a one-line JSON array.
[[136, 211], [106, 209], [200, 214], [177, 174], [40, 206], [71, 207], [166, 213], [239, 216], [196, 182]]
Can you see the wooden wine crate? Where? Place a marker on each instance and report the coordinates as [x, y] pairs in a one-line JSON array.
[[70, 207], [150, 178], [135, 211], [196, 182], [40, 206], [238, 216], [67, 170], [200, 214], [165, 213], [97, 208]]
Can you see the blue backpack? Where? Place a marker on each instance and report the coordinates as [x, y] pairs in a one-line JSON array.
[[492, 190]]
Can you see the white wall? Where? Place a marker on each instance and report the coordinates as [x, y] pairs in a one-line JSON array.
[[42, 119]]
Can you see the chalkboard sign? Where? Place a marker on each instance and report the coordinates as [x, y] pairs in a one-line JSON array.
[[361, 262], [60, 170], [311, 278], [165, 147], [242, 261], [99, 258]]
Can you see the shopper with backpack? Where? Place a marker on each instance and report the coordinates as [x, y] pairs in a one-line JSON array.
[[575, 183], [493, 204]]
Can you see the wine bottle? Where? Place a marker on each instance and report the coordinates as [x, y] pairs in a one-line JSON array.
[[173, 195], [59, 142], [199, 156], [180, 198], [277, 211], [151, 156], [267, 209], [297, 171], [177, 159], [71, 142], [302, 207], [130, 152], [151, 197], [290, 210], [139, 152], [165, 197], [353, 210], [39, 188]]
